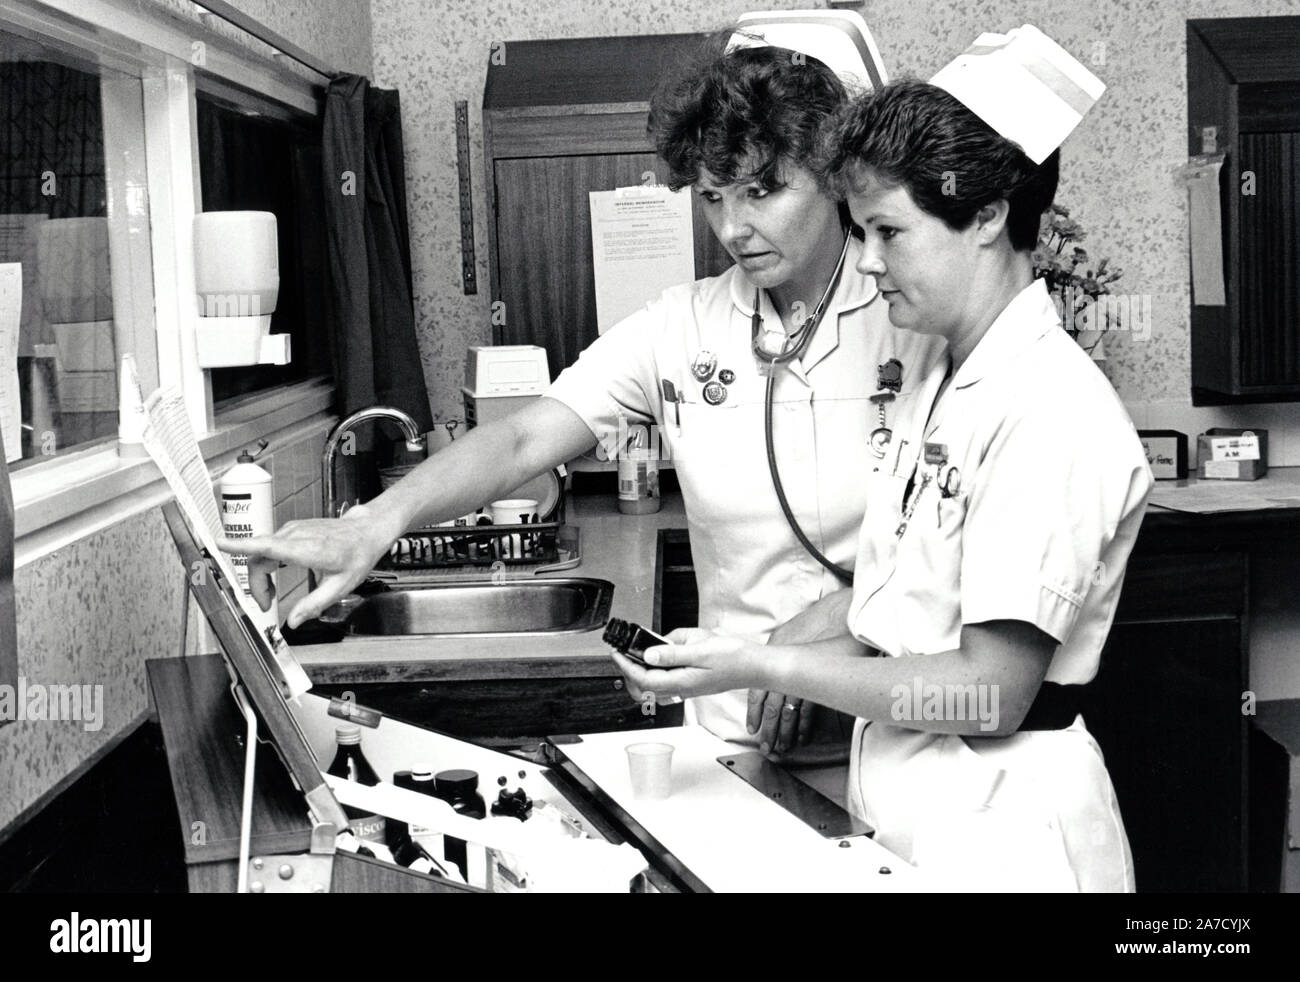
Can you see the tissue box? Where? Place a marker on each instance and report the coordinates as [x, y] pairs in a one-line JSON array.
[[1166, 452], [1232, 455]]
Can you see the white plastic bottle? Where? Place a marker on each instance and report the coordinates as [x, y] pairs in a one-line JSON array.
[[247, 510], [638, 475]]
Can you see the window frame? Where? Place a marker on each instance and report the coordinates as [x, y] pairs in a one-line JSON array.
[[60, 501]]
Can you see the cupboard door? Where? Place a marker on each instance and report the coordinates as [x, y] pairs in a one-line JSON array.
[[1270, 260], [544, 262], [1166, 710]]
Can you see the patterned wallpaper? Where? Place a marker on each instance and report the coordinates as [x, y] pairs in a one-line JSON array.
[[1118, 173]]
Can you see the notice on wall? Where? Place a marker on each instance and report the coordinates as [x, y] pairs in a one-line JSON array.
[[1206, 224], [642, 243], [11, 310]]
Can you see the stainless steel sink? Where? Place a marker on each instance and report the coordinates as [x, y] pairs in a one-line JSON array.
[[551, 606]]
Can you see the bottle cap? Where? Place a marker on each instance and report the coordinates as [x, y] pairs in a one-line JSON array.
[[348, 734], [456, 782]]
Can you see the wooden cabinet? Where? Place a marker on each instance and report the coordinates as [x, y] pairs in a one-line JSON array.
[[560, 119], [1243, 82], [1168, 707], [1166, 710]]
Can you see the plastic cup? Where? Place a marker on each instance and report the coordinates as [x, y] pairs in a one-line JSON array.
[[650, 766], [513, 511]]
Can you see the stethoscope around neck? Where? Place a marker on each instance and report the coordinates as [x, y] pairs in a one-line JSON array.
[[778, 348], [770, 355]]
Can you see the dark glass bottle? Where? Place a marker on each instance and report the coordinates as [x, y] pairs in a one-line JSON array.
[[405, 849], [459, 788], [350, 763]]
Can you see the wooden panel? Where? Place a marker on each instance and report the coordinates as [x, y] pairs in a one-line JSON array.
[[203, 733], [1183, 586], [460, 670], [1253, 49], [563, 135], [677, 598], [352, 874], [1270, 260], [544, 260], [519, 710], [581, 70], [1166, 710], [1273, 106]]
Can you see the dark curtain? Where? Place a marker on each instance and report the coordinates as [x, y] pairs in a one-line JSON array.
[[51, 125], [376, 356]]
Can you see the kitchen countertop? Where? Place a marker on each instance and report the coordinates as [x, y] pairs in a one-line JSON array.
[[623, 549], [615, 547]]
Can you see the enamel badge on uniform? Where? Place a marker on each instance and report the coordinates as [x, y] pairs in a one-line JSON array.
[[890, 375], [703, 365], [726, 376], [715, 393]]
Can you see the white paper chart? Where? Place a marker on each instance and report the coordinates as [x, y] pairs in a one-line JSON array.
[[642, 243]]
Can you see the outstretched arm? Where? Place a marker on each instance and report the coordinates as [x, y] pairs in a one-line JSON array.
[[489, 461]]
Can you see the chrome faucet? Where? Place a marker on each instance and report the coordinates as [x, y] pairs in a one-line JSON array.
[[414, 442]]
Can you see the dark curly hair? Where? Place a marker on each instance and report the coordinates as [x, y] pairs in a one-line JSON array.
[[737, 114], [918, 136]]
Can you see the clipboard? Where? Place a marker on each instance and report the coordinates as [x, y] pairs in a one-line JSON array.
[[252, 666]]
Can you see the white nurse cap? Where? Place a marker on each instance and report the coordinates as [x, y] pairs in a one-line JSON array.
[[1025, 86], [839, 39]]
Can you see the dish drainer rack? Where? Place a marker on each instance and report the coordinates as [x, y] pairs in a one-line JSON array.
[[551, 545]]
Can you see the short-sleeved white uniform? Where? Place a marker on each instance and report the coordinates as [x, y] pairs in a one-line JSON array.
[[752, 572], [1038, 526]]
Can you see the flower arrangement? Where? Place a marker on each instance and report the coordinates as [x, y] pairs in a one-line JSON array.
[[1073, 283]]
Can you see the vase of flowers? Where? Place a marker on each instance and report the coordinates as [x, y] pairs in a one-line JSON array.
[[1075, 285]]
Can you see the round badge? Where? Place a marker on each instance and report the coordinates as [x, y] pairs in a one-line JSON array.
[[703, 365], [880, 438], [715, 393], [726, 376]]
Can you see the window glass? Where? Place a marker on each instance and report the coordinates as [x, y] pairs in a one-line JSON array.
[[254, 162], [61, 336]]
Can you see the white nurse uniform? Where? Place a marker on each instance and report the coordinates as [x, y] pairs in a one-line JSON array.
[[752, 572], [1037, 526]]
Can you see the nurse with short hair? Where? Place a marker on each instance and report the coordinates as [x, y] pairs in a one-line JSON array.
[[793, 337], [990, 562]]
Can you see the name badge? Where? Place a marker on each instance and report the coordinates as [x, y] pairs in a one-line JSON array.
[[936, 454]]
